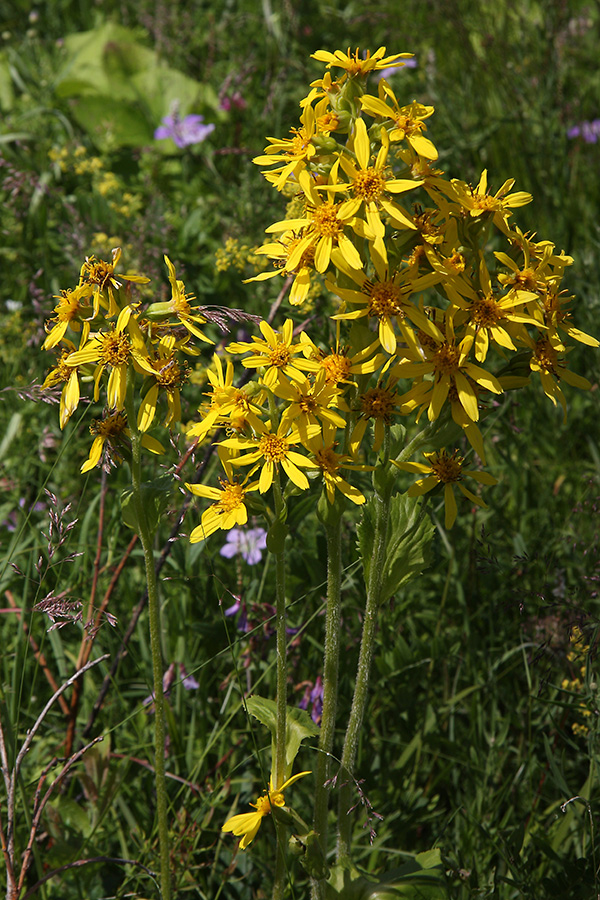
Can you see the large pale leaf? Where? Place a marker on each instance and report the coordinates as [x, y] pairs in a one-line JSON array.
[[299, 725], [408, 543]]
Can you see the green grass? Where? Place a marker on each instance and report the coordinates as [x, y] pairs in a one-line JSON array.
[[468, 744]]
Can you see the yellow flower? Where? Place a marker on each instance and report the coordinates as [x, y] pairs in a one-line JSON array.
[[338, 366], [229, 405], [408, 120], [274, 449], [322, 446], [294, 152], [276, 353], [168, 376], [229, 508], [477, 201], [112, 431], [447, 469], [547, 360], [371, 185], [101, 277], [488, 315], [356, 65], [280, 251], [308, 402], [115, 350], [323, 227], [385, 298], [447, 361], [246, 825], [69, 398], [379, 404], [179, 305], [71, 306]]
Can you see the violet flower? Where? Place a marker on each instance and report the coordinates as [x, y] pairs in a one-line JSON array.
[[183, 132], [250, 543], [589, 131]]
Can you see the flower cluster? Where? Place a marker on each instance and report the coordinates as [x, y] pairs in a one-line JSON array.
[[435, 283], [102, 334]]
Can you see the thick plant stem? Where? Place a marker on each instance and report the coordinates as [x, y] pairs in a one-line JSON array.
[[359, 700], [145, 535], [331, 664], [278, 763]]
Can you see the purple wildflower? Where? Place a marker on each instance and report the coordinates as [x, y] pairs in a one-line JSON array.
[[249, 543], [313, 694], [589, 131], [183, 132]]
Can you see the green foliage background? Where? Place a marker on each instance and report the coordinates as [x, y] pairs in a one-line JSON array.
[[469, 745]]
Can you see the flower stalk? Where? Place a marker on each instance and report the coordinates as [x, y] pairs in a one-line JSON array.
[[146, 536], [382, 496]]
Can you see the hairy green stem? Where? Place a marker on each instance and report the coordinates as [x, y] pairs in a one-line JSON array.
[[281, 648], [145, 534], [331, 664], [361, 689]]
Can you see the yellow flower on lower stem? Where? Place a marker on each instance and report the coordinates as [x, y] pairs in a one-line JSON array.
[[246, 825], [447, 469], [111, 435], [69, 398], [229, 508], [274, 448]]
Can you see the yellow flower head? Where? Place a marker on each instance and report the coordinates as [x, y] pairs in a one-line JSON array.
[[359, 65], [246, 825], [447, 469]]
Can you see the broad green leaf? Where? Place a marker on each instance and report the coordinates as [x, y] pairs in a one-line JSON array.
[[155, 498], [299, 726], [409, 537]]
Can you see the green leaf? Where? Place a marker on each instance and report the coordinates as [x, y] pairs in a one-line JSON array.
[[422, 878], [6, 86], [155, 498], [408, 544], [299, 726]]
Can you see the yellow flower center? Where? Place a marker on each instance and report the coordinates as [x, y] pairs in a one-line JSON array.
[[486, 203], [279, 355], [273, 448], [337, 368], [233, 496], [378, 403], [265, 804], [430, 233], [169, 374], [298, 143], [62, 372], [307, 403], [407, 124], [111, 427], [456, 262], [96, 271], [369, 185], [446, 360], [526, 279], [180, 301], [546, 356], [327, 460], [115, 349], [325, 221], [485, 312], [68, 306], [384, 299], [328, 122], [448, 468]]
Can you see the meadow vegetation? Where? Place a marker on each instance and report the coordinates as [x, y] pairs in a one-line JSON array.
[[475, 771]]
